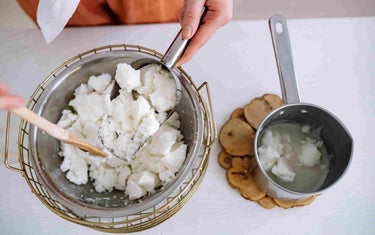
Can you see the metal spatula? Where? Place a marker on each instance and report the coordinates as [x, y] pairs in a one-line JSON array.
[[168, 61]]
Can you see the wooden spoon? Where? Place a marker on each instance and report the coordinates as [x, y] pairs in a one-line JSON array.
[[57, 131]]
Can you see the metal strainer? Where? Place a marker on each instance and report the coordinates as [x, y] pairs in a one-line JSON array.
[[109, 212]]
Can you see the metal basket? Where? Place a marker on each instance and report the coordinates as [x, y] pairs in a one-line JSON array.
[[131, 223]]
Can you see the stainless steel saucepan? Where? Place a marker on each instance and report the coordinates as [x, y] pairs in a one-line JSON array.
[[334, 134]]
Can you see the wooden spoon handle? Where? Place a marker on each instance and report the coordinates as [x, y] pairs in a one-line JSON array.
[[57, 131]]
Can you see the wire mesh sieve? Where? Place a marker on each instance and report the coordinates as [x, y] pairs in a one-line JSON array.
[[131, 223]]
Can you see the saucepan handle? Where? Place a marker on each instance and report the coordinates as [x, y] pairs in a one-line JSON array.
[[284, 59]]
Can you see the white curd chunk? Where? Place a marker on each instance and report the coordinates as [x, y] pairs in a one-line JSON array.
[[268, 157], [163, 140], [91, 107], [74, 164], [158, 86], [281, 170], [133, 190], [100, 83], [310, 154], [127, 77], [67, 119], [173, 160], [164, 95], [105, 177], [123, 173]]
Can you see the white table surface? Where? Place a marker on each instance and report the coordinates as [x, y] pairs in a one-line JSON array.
[[335, 68]]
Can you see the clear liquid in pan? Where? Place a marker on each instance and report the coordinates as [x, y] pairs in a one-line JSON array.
[[307, 179]]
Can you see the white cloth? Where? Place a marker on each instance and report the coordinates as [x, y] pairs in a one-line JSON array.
[[53, 15]]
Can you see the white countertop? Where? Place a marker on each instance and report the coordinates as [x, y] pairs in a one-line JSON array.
[[335, 67]]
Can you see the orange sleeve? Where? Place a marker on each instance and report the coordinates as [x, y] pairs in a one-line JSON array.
[[93, 12], [29, 7], [106, 12], [146, 11]]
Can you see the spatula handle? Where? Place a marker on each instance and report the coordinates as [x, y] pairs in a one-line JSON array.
[[56, 131], [42, 123]]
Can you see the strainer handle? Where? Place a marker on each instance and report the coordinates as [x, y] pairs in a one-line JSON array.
[[212, 130], [6, 163], [284, 59]]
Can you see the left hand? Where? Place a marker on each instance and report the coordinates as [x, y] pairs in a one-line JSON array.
[[9, 101], [219, 13]]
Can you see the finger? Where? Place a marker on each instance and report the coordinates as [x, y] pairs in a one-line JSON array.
[[3, 88], [181, 15], [191, 17], [11, 101], [204, 33]]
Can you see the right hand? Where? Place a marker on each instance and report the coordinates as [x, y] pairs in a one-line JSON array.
[[9, 101], [219, 13]]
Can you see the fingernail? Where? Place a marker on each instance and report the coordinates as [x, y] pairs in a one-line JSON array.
[[186, 32]]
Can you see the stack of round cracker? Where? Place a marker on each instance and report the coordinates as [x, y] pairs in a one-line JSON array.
[[237, 140]]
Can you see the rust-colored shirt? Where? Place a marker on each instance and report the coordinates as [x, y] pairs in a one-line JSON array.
[[107, 12]]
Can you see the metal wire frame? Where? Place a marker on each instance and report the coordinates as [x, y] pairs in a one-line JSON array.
[[132, 223]]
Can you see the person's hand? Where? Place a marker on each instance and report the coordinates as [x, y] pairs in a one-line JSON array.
[[219, 13], [8, 101]]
